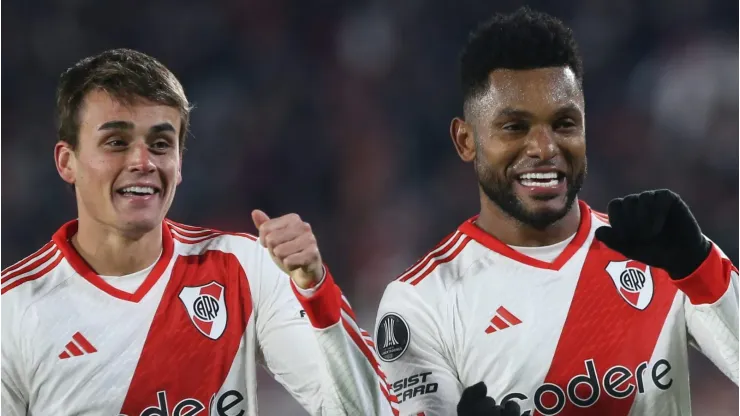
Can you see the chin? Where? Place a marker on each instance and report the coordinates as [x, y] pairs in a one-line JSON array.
[[538, 213], [545, 213], [140, 225], [545, 205], [535, 208]]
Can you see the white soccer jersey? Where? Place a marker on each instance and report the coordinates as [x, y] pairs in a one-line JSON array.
[[590, 333], [186, 342]]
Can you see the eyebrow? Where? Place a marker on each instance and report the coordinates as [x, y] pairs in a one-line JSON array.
[[127, 125], [117, 125], [513, 112], [162, 127], [568, 108], [517, 113]]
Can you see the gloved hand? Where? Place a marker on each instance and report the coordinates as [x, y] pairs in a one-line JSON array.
[[474, 402], [658, 229]]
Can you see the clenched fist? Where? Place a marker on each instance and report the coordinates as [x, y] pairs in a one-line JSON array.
[[292, 245], [656, 228]]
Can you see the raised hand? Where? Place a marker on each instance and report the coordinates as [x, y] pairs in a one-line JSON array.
[[292, 245], [658, 229]]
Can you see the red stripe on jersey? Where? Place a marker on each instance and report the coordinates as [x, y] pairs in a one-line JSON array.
[[439, 250], [364, 342], [177, 358], [29, 265], [198, 235], [183, 240], [348, 309], [603, 331], [68, 230], [185, 226], [191, 229], [470, 228], [388, 396], [440, 260], [365, 334], [602, 218], [193, 234], [84, 343], [709, 281], [430, 253], [371, 359], [26, 260], [601, 215], [392, 400], [193, 237], [37, 275], [431, 258]]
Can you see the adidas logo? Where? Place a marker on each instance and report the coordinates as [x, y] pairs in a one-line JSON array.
[[503, 319], [78, 346]]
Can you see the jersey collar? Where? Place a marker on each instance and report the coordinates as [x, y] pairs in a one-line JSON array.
[[62, 239], [487, 240]]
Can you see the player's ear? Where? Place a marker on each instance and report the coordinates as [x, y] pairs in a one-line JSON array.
[[64, 157], [462, 137]]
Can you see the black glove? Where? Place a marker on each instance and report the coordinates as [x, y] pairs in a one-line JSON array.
[[474, 402], [658, 229]]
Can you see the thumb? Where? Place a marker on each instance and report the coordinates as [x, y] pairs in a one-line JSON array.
[[259, 218]]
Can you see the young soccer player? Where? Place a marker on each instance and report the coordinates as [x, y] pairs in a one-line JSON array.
[[126, 312]]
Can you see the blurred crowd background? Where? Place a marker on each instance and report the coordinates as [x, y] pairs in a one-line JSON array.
[[339, 110]]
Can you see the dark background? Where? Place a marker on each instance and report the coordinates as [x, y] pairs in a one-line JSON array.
[[339, 110]]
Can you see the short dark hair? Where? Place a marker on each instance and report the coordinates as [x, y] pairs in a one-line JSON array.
[[126, 75], [525, 39]]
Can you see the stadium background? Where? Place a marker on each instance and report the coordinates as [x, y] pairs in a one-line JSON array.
[[339, 111]]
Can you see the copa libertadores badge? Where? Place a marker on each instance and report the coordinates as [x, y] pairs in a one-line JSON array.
[[206, 307], [392, 337]]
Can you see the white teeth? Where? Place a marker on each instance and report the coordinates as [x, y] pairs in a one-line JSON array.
[[539, 179], [138, 189], [539, 175], [549, 184]]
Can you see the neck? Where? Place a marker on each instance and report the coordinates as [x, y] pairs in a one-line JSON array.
[[511, 231], [109, 252]]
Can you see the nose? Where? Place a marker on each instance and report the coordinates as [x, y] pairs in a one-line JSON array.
[[140, 159], [541, 143]]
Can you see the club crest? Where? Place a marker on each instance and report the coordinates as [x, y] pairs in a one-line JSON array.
[[206, 307], [633, 281]]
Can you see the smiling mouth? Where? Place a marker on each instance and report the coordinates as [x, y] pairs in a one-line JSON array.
[[541, 179], [138, 191]]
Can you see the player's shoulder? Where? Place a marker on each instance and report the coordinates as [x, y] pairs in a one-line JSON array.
[[194, 240], [442, 266], [34, 276]]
